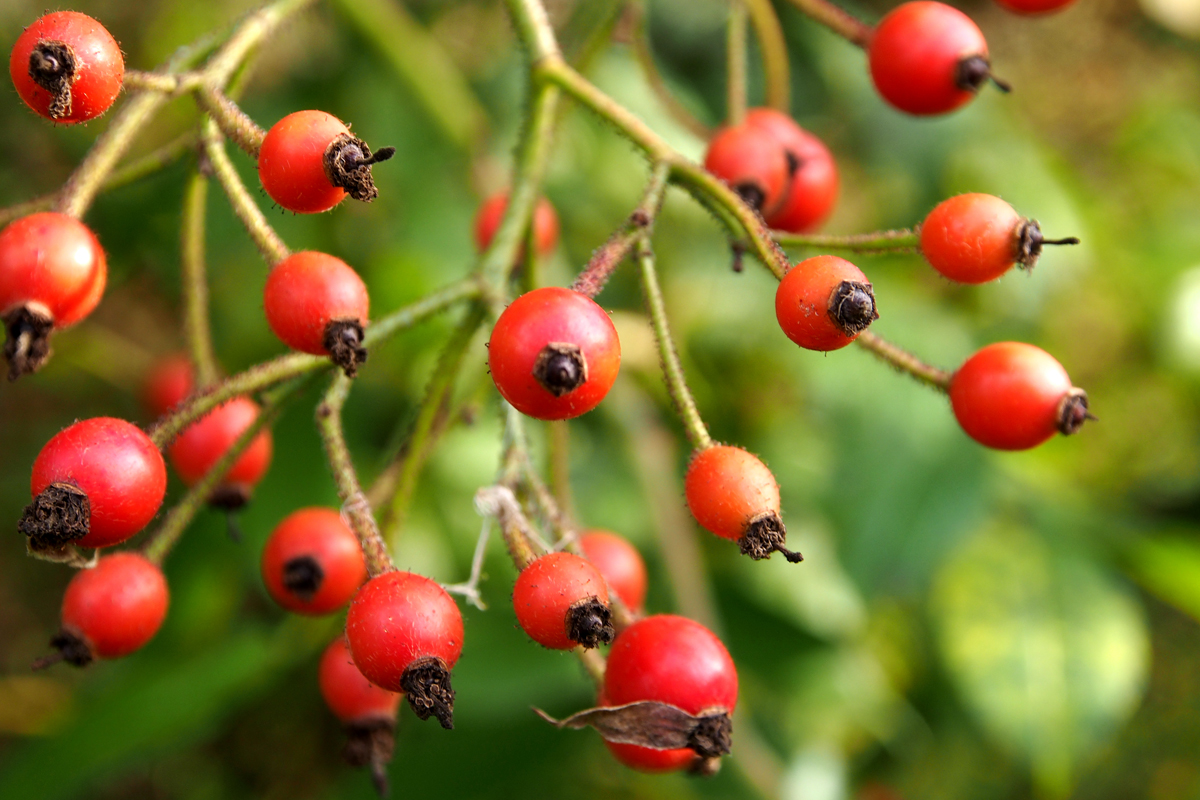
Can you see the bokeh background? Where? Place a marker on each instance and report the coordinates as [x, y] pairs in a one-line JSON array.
[[966, 623]]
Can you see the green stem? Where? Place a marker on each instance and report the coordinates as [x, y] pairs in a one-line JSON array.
[[265, 238], [605, 260], [644, 54], [195, 283], [230, 119], [777, 73], [533, 28], [166, 83], [278, 370], [558, 449], [735, 57], [837, 20], [677, 386], [256, 29], [159, 543], [433, 408], [905, 239], [905, 361], [355, 506]]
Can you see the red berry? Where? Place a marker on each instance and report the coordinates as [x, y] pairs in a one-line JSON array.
[[317, 304], [621, 565], [561, 601], [111, 610], [545, 223], [754, 164], [351, 697], [928, 58], [672, 660], [824, 303], [170, 381], [313, 563], [94, 484], [309, 162], [1013, 396], [1035, 7], [67, 67], [813, 188], [975, 238], [554, 353], [733, 494], [52, 274], [406, 634], [203, 443]]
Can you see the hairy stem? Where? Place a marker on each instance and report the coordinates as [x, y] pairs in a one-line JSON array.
[[677, 386], [837, 20], [230, 119], [903, 240], [777, 73], [196, 329], [265, 238], [905, 361], [355, 506]]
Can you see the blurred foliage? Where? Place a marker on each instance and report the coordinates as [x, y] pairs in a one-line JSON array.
[[966, 624]]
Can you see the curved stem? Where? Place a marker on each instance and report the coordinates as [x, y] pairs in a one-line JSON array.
[[905, 361], [269, 373], [902, 240], [735, 59], [777, 74], [432, 411], [230, 119], [250, 34], [604, 261], [195, 283], [644, 54], [677, 386], [265, 238], [533, 28], [355, 507], [159, 543], [837, 20]]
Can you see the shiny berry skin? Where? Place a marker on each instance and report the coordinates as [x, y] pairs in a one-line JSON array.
[[169, 383], [673, 660], [1035, 7], [561, 600], [621, 565], [67, 67], [754, 164], [545, 223], [975, 238], [731, 493], [117, 606], [927, 58], [554, 353], [813, 187], [317, 304], [54, 263], [1014, 396], [824, 303], [312, 563], [351, 697], [203, 443], [115, 465], [406, 634], [309, 161]]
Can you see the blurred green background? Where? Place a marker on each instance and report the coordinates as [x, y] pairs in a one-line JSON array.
[[966, 623]]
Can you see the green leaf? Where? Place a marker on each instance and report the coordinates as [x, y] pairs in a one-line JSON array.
[[1047, 651]]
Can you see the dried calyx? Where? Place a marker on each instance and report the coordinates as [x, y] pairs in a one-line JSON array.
[[54, 67], [1073, 412], [59, 515], [426, 684], [302, 576], [371, 742], [764, 535], [348, 162], [28, 344], [1030, 241], [852, 307], [343, 341], [660, 726], [589, 622], [560, 368], [973, 72]]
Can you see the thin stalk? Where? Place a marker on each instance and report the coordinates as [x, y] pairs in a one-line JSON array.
[[902, 240], [677, 386], [196, 329], [230, 119], [533, 28], [265, 238], [905, 361], [777, 74], [158, 544], [837, 20], [278, 370], [644, 54], [250, 34], [735, 59], [604, 261], [420, 441], [355, 507], [558, 449], [166, 83]]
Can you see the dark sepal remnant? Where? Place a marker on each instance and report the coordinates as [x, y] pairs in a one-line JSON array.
[[764, 535], [426, 684], [589, 622]]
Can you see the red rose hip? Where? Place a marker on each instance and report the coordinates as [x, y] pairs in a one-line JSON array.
[[561, 600], [67, 67], [812, 189], [202, 444], [406, 635], [754, 164], [621, 565], [545, 223], [312, 563], [824, 303], [368, 712], [95, 484]]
